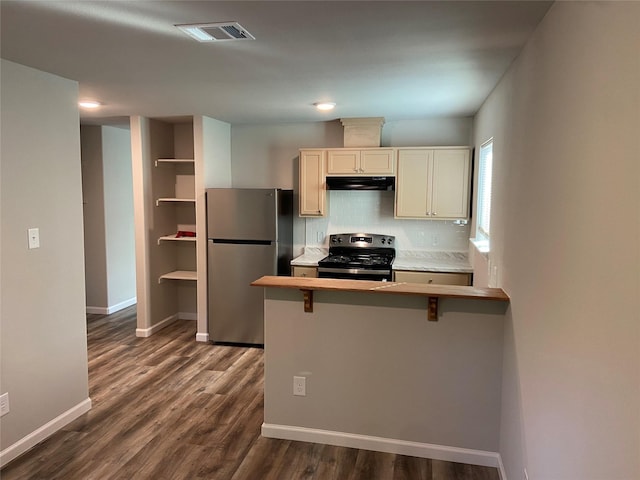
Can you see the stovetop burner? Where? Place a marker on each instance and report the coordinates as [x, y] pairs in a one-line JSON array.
[[358, 256], [360, 259]]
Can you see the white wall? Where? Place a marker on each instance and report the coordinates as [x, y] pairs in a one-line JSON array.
[[267, 156], [427, 131], [95, 251], [43, 335], [108, 218], [566, 217], [212, 142], [118, 211]]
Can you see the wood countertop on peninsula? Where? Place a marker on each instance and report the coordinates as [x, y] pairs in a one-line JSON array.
[[432, 292], [399, 288]]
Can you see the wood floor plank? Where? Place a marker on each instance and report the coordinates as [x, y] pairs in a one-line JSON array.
[[169, 408], [412, 468], [336, 463], [372, 466], [265, 457]]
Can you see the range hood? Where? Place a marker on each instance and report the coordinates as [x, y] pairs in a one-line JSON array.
[[361, 183]]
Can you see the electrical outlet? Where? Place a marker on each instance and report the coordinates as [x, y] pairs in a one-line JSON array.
[[320, 237], [34, 238], [435, 239], [4, 404], [300, 386]]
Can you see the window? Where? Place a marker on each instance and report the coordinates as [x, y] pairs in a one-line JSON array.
[[483, 223]]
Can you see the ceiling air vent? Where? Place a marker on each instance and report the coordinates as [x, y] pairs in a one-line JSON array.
[[213, 32]]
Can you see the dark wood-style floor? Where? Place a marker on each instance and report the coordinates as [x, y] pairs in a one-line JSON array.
[[167, 407]]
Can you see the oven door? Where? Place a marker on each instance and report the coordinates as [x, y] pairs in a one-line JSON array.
[[355, 274]]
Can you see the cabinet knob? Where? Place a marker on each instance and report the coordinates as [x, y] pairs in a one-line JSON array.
[[431, 280]]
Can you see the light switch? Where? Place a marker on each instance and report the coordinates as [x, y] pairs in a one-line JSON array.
[[34, 238]]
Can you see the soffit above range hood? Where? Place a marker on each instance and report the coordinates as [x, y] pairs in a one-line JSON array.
[[361, 183]]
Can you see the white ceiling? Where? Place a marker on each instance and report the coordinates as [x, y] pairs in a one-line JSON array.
[[392, 59]]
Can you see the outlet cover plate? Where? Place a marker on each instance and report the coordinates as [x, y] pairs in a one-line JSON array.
[[4, 404], [300, 386], [34, 238]]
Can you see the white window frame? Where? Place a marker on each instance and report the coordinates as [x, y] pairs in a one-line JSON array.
[[483, 210]]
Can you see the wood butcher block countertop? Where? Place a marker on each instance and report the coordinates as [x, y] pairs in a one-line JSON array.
[[398, 288]]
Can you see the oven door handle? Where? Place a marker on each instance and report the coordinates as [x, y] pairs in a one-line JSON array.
[[353, 271]]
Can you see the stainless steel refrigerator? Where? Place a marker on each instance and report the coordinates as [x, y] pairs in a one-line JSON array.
[[250, 234]]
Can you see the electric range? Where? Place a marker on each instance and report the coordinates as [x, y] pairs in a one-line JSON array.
[[359, 256]]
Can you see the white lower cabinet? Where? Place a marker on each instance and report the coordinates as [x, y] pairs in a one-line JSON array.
[[309, 272], [434, 278], [433, 183]]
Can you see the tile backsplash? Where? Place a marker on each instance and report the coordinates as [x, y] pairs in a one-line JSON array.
[[372, 212]]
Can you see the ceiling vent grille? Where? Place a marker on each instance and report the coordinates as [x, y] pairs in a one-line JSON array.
[[213, 32]]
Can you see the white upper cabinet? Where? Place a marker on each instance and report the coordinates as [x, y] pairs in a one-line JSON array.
[[312, 183], [433, 183], [413, 183], [450, 184], [354, 161]]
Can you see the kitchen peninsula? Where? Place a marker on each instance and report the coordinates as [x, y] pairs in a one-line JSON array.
[[378, 375]]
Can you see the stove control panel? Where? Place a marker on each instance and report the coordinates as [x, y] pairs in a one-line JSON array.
[[361, 240]]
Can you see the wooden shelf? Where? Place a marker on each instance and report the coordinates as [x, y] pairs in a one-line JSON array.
[[174, 200], [174, 160], [173, 238], [179, 275]]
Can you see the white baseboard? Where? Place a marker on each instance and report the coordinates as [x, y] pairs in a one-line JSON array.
[[147, 332], [97, 310], [44, 432], [113, 308], [501, 471], [202, 337], [380, 444]]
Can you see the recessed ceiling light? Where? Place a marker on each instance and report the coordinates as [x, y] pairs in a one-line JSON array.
[[211, 32], [325, 105], [89, 104]]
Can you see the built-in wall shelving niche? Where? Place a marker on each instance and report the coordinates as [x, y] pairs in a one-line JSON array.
[[160, 201], [160, 161], [175, 238], [179, 275]]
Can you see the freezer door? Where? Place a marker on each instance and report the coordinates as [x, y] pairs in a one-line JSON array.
[[242, 213], [236, 309]]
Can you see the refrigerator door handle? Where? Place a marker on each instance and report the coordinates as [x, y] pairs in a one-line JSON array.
[[231, 241]]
